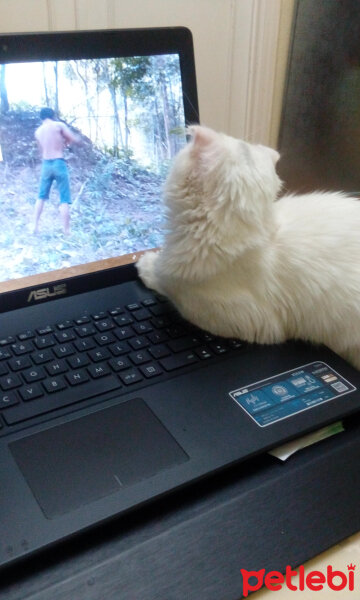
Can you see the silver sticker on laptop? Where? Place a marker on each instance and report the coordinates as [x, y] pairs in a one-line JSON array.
[[287, 394]]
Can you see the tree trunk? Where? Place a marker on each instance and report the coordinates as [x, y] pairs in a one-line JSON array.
[[166, 115], [126, 124], [56, 108], [4, 101], [117, 126], [47, 99]]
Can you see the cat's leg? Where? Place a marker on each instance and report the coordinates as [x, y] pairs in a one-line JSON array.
[[146, 270]]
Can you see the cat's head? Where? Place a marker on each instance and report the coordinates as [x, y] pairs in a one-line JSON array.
[[218, 176]]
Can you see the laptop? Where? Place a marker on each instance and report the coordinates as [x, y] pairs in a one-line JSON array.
[[108, 398]]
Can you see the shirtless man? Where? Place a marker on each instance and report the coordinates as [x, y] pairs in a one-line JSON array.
[[53, 136]]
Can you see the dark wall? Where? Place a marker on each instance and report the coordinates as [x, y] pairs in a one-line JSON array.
[[320, 133]]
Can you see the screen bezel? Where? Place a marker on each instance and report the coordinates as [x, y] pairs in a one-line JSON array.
[[31, 47], [109, 43]]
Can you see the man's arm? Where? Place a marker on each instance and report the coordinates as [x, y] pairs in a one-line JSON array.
[[38, 143], [69, 136]]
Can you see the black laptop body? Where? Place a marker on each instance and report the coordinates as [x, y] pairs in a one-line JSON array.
[[108, 398]]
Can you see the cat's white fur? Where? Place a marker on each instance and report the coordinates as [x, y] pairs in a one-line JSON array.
[[239, 263]]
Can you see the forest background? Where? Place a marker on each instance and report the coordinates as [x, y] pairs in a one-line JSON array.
[[128, 113]]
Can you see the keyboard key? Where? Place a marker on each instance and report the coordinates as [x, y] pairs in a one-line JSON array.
[[148, 302], [100, 315], [184, 343], [119, 364], [203, 353], [22, 348], [138, 342], [99, 370], [124, 333], [42, 357], [130, 377], [159, 351], [207, 337], [178, 360], [77, 377], [85, 330], [7, 340], [8, 399], [64, 325], [9, 382], [26, 335], [218, 347], [44, 341], [57, 367], [104, 325], [158, 336], [160, 322], [5, 354], [54, 385], [142, 328], [65, 336], [22, 362], [142, 314], [64, 350], [82, 345], [45, 330], [123, 320], [80, 360], [151, 370], [34, 374], [31, 392], [233, 343], [116, 311], [133, 306], [119, 348], [104, 338], [82, 320], [138, 358], [99, 355]]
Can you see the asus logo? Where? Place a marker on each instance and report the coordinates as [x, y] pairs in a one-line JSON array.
[[43, 293]]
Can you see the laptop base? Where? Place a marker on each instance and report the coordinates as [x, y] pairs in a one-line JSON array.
[[263, 514]]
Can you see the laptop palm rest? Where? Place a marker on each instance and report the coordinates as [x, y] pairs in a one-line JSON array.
[[84, 460]]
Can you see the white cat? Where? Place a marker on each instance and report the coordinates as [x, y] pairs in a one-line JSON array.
[[238, 263]]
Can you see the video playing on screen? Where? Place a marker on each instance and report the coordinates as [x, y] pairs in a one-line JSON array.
[[84, 149]]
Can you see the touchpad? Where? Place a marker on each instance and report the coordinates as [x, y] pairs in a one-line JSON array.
[[76, 463]]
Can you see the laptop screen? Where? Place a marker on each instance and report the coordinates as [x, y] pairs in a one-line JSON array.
[[87, 133]]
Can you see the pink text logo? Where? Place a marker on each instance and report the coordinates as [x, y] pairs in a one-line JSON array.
[[313, 580]]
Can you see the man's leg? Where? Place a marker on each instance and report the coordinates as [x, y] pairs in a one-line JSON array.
[[65, 217], [44, 191], [63, 183], [39, 205]]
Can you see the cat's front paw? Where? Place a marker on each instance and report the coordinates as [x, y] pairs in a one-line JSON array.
[[145, 267]]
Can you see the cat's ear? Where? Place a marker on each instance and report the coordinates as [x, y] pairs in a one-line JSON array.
[[201, 136]]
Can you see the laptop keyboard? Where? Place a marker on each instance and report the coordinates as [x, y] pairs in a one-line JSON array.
[[71, 361]]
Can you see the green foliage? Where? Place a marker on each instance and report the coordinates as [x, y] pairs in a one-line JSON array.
[[128, 74], [101, 176]]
